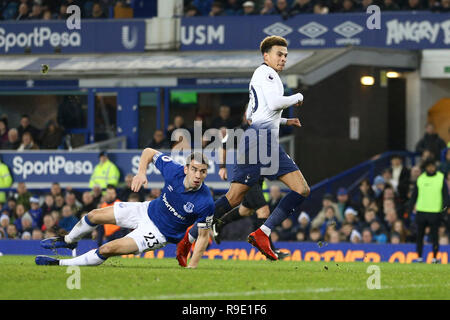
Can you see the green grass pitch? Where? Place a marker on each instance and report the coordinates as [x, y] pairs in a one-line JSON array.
[[154, 279]]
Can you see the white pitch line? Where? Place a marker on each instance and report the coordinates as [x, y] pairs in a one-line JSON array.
[[263, 292]]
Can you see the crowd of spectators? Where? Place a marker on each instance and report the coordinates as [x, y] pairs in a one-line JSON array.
[[27, 137], [27, 216], [290, 8], [22, 10], [173, 139], [381, 212]]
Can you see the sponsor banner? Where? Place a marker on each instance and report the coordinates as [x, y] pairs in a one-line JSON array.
[[44, 37], [307, 251], [397, 30], [237, 250], [77, 167]]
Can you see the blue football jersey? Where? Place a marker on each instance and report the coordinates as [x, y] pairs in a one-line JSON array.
[[177, 209]]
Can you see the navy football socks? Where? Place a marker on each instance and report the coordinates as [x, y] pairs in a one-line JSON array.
[[284, 209]]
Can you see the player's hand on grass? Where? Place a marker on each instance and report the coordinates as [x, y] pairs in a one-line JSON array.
[[138, 181], [223, 173], [295, 122]]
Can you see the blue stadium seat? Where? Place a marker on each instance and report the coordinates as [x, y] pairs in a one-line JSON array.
[[10, 11]]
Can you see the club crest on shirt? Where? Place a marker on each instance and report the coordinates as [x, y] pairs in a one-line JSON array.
[[270, 77], [188, 207]]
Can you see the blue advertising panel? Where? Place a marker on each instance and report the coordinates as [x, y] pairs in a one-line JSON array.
[[93, 36], [237, 250], [41, 167], [404, 30]]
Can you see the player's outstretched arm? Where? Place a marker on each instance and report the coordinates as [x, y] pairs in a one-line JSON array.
[[277, 102], [200, 247], [293, 122], [223, 160], [140, 178]]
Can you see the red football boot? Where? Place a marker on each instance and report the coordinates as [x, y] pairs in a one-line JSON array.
[[259, 240], [183, 249]]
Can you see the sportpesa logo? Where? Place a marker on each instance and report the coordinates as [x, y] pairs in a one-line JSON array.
[[40, 37], [171, 209], [55, 165]]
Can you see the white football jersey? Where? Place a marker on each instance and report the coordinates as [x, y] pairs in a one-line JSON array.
[[267, 100]]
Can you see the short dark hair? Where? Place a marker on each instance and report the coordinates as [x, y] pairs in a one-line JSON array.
[[397, 156], [110, 186], [271, 41], [197, 156], [133, 196], [427, 162], [25, 116], [217, 4]]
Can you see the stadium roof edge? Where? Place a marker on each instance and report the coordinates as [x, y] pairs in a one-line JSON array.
[[324, 63], [311, 66]]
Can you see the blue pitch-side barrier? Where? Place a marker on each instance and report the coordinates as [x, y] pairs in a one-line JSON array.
[[78, 166], [231, 250]]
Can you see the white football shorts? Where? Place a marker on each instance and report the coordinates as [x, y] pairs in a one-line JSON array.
[[133, 215]]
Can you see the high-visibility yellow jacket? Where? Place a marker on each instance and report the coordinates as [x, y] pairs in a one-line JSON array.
[[104, 174], [429, 197], [5, 180]]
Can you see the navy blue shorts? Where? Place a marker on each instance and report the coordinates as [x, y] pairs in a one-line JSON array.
[[248, 172]]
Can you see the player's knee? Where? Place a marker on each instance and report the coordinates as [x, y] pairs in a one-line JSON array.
[[244, 211], [305, 191], [234, 198], [93, 216], [107, 250], [234, 201], [263, 213]]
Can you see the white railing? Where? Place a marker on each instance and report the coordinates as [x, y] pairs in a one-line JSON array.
[[114, 143]]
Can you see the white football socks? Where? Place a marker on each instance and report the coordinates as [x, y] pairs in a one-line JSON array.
[[266, 230], [90, 258], [83, 227], [191, 238]]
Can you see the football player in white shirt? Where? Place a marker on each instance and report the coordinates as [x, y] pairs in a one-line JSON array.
[[267, 102]]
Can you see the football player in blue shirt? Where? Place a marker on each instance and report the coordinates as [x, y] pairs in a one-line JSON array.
[[184, 200]]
